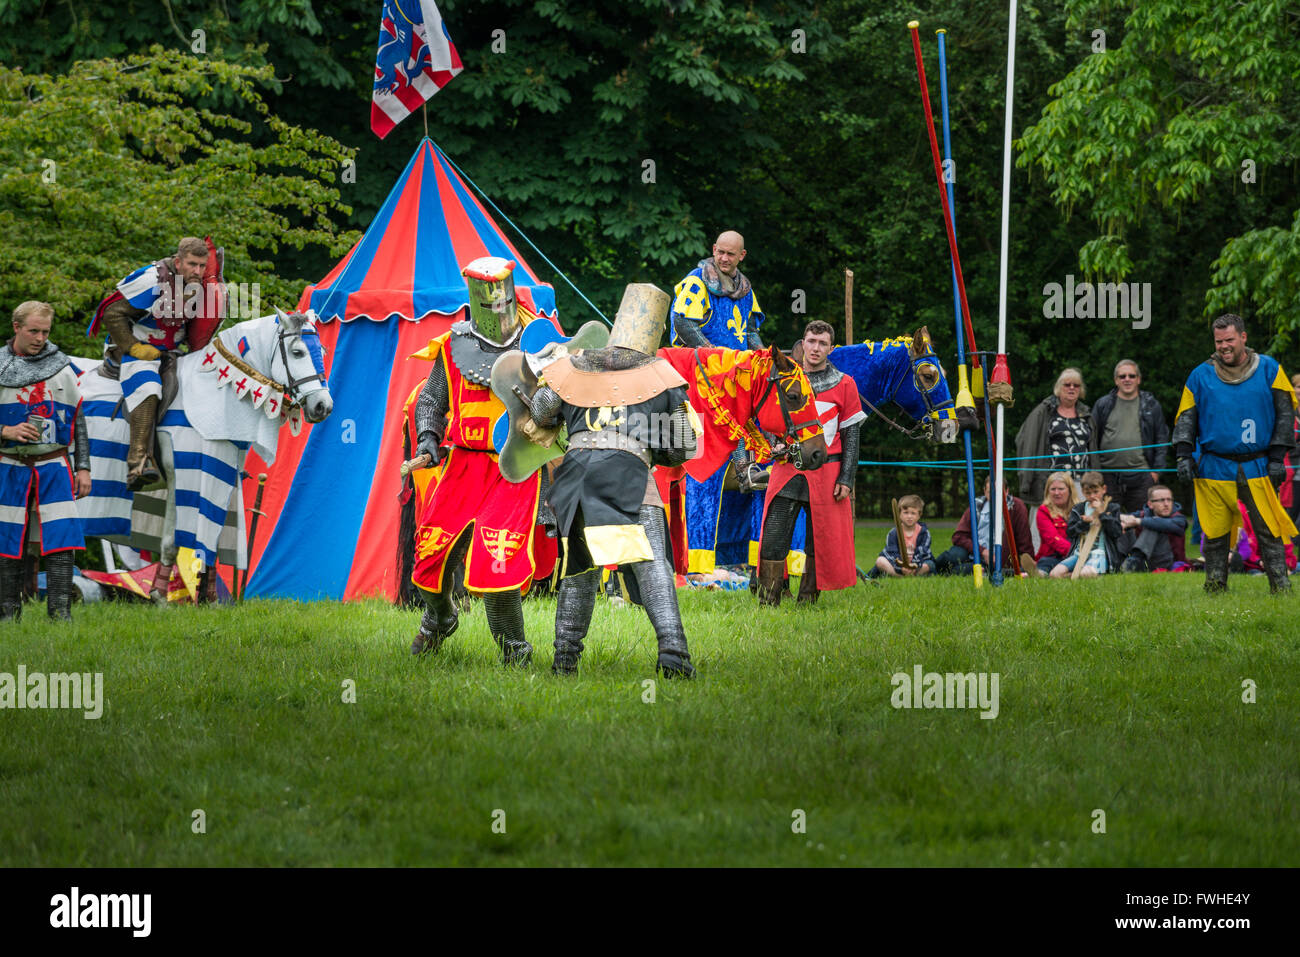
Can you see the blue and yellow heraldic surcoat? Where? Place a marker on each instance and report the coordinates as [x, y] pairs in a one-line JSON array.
[[723, 320], [1236, 424]]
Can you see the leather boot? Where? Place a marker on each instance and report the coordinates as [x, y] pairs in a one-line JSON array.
[[1215, 553], [159, 589], [140, 469], [437, 624], [573, 607], [771, 581], [808, 583], [505, 616], [1272, 554], [58, 586], [11, 589]]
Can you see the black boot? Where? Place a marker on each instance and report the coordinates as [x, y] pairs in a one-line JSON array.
[[438, 622], [573, 607], [808, 581], [771, 581], [1215, 553], [505, 616], [11, 588], [58, 585], [658, 587], [1272, 554]]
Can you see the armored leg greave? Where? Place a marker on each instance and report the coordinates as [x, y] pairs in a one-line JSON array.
[[140, 468], [58, 585], [573, 607], [658, 589], [440, 619], [1215, 553], [505, 616], [1272, 550], [11, 588], [808, 580]]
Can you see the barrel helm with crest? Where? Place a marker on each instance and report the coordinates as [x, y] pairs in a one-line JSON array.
[[493, 312]]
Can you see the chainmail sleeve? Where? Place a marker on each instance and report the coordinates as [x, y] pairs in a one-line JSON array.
[[753, 341], [849, 444], [682, 444], [433, 405], [545, 407], [688, 333], [80, 443], [1283, 439]]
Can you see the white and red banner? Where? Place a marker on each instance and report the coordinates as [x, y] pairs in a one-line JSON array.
[[414, 60]]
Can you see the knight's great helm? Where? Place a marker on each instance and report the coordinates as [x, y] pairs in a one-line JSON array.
[[639, 323], [493, 313]]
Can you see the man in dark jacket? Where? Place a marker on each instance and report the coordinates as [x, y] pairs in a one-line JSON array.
[[958, 559], [1123, 420], [1154, 537]]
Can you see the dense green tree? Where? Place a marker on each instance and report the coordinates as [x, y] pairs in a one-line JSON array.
[[105, 167], [1183, 117]]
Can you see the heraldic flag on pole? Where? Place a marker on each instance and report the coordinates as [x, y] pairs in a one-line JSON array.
[[415, 59]]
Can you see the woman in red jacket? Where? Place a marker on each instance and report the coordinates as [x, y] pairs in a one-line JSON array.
[[1051, 519]]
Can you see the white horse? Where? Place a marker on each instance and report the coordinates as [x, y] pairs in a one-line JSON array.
[[232, 395]]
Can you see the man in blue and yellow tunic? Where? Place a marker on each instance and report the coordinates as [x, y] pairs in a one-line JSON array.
[[40, 416], [715, 305], [1231, 436]]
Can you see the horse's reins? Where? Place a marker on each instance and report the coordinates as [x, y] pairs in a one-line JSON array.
[[924, 427], [292, 386]]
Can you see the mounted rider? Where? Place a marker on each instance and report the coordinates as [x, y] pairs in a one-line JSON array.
[[625, 410], [150, 317], [473, 515], [40, 416]]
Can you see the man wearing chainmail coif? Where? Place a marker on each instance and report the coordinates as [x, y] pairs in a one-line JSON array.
[[625, 410], [826, 494], [40, 416], [473, 515]]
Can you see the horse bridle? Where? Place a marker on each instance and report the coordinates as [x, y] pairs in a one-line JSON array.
[[773, 380], [292, 384], [924, 427]]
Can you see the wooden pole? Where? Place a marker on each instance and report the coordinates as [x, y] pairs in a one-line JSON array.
[[848, 307]]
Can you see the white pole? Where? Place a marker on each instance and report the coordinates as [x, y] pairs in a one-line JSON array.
[[995, 506]]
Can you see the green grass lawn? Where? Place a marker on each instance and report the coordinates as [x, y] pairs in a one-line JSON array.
[[1123, 694]]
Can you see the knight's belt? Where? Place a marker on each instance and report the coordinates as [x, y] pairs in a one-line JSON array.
[[32, 460], [1237, 456], [608, 439]]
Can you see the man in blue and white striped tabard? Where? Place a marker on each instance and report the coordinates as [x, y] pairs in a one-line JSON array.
[[40, 416], [146, 319]]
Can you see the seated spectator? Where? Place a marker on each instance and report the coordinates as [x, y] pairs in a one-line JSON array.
[[917, 538], [1155, 537], [1104, 556], [957, 560], [1051, 518], [1247, 549]]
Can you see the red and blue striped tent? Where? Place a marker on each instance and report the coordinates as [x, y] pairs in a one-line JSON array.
[[330, 510]]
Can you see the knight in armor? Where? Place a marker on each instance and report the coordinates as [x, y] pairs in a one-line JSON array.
[[40, 416], [474, 516], [151, 316], [826, 495], [1231, 436], [625, 410]]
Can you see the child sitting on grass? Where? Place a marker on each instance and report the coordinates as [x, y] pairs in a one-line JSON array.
[[917, 538], [1104, 556]]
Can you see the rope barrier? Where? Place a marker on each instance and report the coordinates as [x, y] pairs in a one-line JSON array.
[[961, 463]]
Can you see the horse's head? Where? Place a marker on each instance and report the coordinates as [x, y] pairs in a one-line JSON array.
[[794, 415], [924, 394], [300, 357]]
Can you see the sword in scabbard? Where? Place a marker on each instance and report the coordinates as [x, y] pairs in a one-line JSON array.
[[252, 533]]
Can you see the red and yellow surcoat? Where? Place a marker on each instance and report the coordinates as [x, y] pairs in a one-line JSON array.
[[470, 490]]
